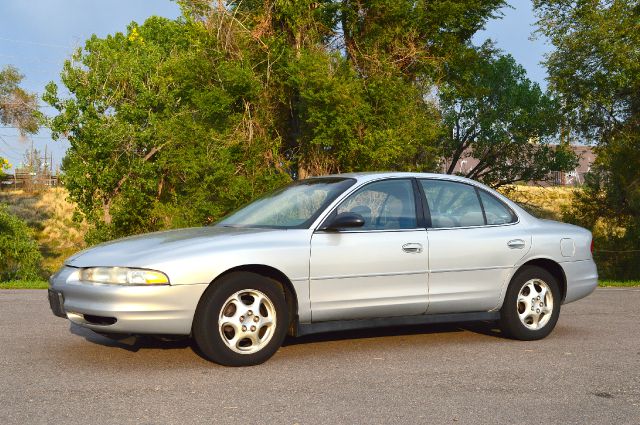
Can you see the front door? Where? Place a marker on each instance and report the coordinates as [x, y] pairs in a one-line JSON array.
[[378, 270]]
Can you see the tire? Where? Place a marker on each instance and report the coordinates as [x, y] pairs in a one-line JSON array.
[[535, 287], [241, 320]]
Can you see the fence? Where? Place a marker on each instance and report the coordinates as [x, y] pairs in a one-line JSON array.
[[29, 181]]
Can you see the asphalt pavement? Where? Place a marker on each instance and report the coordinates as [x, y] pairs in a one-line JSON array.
[[586, 372]]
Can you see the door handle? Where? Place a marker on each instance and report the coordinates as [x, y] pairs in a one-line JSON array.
[[414, 248], [516, 244]]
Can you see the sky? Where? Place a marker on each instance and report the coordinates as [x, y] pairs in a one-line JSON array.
[[36, 36]]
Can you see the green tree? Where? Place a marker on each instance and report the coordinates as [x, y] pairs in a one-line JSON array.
[[595, 70], [163, 129], [19, 254], [18, 108], [352, 80], [177, 122], [493, 112]]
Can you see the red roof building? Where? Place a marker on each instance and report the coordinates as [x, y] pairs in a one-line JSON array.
[[586, 157]]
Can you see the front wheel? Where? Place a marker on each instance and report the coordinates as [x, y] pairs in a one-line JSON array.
[[241, 320], [532, 304]]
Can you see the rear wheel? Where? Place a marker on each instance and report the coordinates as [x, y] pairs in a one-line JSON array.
[[241, 320], [532, 304]]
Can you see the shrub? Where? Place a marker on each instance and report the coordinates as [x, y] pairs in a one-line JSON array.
[[19, 254]]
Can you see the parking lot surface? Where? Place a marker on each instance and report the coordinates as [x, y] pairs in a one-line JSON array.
[[586, 372]]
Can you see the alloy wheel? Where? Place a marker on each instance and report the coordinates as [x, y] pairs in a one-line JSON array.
[[247, 321], [535, 304]]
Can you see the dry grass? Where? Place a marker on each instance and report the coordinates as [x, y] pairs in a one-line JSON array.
[[543, 202], [50, 214], [553, 203]]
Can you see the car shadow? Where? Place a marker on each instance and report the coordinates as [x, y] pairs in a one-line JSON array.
[[483, 328], [135, 343], [132, 343]]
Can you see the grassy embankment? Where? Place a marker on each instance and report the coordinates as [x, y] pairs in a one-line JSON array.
[[543, 202], [24, 284], [50, 215]]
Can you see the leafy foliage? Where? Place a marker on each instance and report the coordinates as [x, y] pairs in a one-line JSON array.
[[178, 122], [494, 113], [4, 164], [19, 254], [595, 70], [17, 107], [161, 130]]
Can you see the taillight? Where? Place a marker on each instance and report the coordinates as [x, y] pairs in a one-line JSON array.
[[591, 246]]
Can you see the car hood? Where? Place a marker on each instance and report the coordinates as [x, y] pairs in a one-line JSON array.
[[136, 251]]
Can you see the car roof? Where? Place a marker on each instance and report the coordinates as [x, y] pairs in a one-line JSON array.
[[375, 175]]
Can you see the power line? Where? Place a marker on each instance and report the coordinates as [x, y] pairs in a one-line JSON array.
[[31, 137], [33, 59], [12, 157], [14, 150], [37, 43]]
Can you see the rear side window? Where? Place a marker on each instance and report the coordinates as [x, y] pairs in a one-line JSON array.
[[495, 211], [452, 204]]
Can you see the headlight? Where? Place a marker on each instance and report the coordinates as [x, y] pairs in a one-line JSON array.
[[123, 276]]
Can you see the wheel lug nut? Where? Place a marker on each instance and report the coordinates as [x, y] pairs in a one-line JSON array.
[[249, 313], [541, 305], [242, 318], [256, 318], [253, 328], [244, 328], [538, 311]]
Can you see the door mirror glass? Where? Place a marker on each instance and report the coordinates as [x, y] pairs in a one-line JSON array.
[[347, 220]]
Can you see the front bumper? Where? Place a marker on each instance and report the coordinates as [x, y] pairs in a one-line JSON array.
[[160, 309]]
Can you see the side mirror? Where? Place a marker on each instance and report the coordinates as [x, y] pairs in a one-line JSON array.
[[346, 220]]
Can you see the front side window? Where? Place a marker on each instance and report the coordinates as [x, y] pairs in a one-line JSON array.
[[384, 205], [452, 204], [293, 207]]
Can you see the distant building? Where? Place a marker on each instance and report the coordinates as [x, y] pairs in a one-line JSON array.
[[586, 157]]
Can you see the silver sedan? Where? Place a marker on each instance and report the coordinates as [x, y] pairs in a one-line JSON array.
[[332, 253]]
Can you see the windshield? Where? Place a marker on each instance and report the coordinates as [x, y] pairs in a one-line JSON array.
[[293, 207]]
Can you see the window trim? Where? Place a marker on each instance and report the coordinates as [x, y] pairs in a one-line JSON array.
[[426, 212], [484, 214], [477, 190], [416, 201]]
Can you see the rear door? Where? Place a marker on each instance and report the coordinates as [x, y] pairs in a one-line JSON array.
[[475, 240]]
